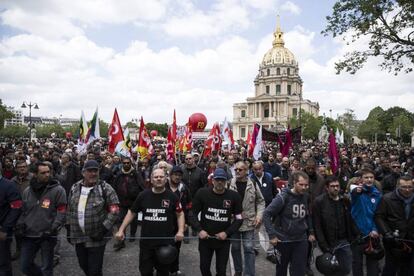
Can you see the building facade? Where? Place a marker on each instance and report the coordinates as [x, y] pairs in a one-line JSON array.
[[278, 93], [17, 120]]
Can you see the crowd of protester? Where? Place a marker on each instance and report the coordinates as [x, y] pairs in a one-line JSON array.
[[364, 211]]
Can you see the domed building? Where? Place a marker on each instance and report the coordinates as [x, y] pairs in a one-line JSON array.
[[278, 92]]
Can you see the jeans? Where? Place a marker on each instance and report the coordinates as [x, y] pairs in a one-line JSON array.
[[358, 261], [5, 258], [30, 247], [294, 253], [248, 248], [403, 265], [207, 248], [90, 259]]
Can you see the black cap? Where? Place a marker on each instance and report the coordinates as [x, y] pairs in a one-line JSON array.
[[91, 164], [176, 169]]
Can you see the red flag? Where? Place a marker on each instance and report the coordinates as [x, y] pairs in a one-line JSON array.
[[213, 142], [115, 134], [144, 143], [252, 143], [285, 146], [171, 139], [333, 152]]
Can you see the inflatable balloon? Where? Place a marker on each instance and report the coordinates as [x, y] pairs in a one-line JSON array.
[[198, 122]]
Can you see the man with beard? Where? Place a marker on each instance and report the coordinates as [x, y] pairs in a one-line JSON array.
[[92, 211], [285, 169], [333, 224], [316, 184], [193, 177], [22, 180], [127, 184], [390, 181], [68, 172], [289, 225], [220, 216], [161, 211], [43, 214], [181, 190], [8, 168], [395, 220], [272, 167]]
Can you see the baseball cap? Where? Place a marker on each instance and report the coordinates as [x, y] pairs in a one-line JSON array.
[[220, 174], [91, 164], [176, 169]]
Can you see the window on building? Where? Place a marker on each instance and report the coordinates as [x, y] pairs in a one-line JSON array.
[[295, 112], [268, 72], [243, 132], [289, 89], [277, 89], [243, 113], [288, 71], [267, 89], [278, 71], [266, 113]]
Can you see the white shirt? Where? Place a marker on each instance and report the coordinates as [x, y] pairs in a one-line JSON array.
[[82, 206]]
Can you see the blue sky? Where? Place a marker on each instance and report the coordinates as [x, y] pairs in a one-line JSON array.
[[148, 57]]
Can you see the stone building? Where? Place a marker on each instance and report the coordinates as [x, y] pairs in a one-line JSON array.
[[278, 92]]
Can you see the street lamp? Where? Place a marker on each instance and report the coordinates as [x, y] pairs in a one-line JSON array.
[[30, 105]]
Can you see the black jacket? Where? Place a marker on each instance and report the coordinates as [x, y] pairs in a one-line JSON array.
[[10, 205], [193, 178], [127, 187], [390, 216], [389, 182], [325, 221], [71, 176]]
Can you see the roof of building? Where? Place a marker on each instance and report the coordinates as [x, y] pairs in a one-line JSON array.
[[278, 54]]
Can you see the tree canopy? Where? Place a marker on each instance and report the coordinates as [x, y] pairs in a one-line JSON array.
[[4, 114], [389, 26], [396, 121]]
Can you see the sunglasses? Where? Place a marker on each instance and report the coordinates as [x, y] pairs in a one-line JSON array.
[[238, 170], [396, 166], [126, 163]]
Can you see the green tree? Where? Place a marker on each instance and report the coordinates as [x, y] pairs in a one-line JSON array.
[[14, 132], [401, 128], [161, 128], [103, 128], [45, 131], [372, 126], [310, 125], [4, 114], [388, 24]]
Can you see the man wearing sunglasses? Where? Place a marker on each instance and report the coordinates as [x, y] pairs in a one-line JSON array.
[[127, 184], [390, 181]]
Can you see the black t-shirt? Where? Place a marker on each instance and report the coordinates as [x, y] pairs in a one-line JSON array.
[[158, 216], [218, 210], [241, 188]]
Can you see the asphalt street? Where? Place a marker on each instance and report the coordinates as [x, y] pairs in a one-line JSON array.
[[125, 262]]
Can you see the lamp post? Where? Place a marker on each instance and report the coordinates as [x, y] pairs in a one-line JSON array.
[[30, 105]]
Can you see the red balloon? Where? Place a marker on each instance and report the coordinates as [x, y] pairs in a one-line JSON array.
[[154, 133], [198, 122]]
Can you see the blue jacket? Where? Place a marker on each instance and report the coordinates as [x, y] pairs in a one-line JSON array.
[[363, 208], [267, 187]]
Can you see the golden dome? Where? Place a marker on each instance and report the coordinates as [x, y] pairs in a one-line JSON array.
[[278, 54]]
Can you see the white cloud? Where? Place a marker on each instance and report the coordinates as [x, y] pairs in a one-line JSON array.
[[224, 16], [291, 7], [57, 19]]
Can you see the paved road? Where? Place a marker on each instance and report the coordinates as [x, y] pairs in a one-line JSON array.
[[125, 262]]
